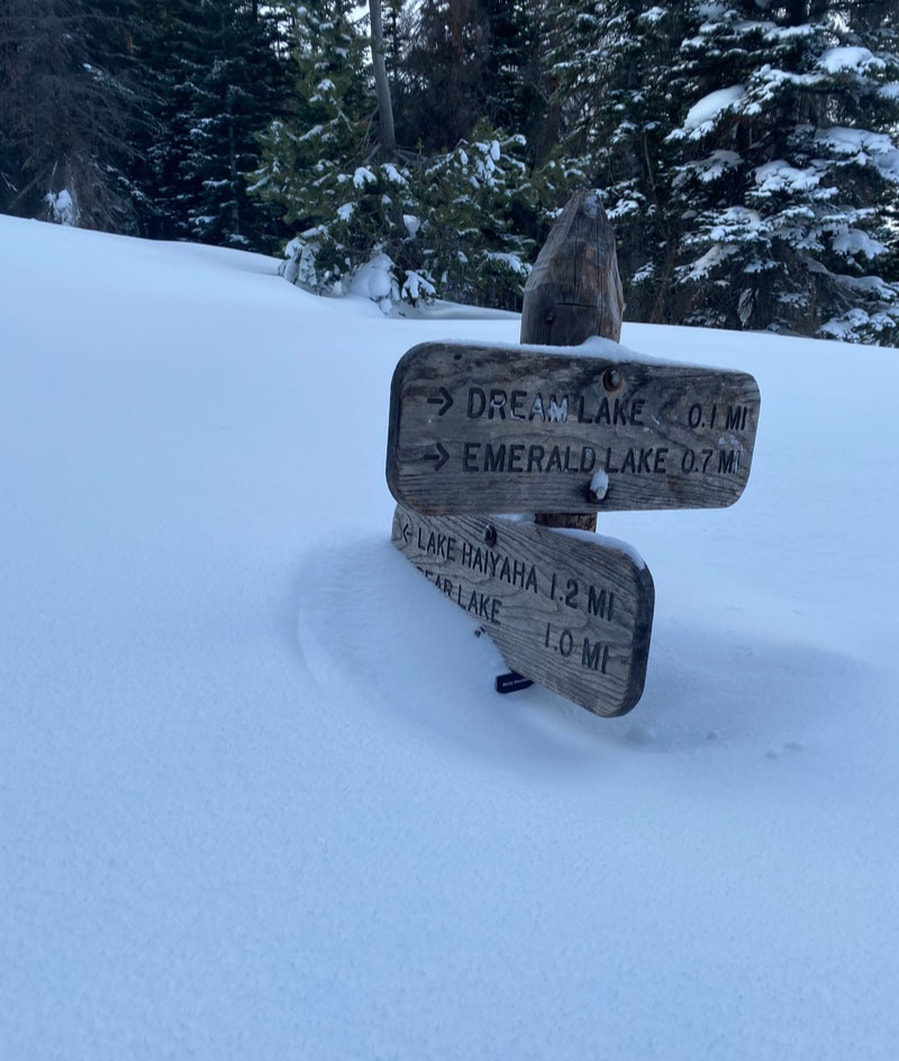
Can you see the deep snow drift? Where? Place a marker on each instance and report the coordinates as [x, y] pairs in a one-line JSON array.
[[257, 796]]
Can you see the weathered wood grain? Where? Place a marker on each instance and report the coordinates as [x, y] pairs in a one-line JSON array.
[[480, 429], [572, 614], [574, 290], [574, 293]]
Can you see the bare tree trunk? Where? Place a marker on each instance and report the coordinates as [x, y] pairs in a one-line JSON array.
[[382, 86]]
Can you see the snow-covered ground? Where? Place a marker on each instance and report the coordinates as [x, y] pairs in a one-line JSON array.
[[258, 799]]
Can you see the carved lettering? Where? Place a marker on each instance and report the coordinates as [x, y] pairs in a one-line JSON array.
[[497, 404], [546, 599], [558, 411], [668, 436], [735, 419], [727, 461], [495, 459], [477, 402], [601, 603], [595, 656]]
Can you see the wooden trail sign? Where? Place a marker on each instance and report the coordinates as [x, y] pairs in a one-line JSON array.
[[487, 429], [572, 614], [573, 294]]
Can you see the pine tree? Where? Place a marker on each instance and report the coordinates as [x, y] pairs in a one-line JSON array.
[[747, 156], [231, 102], [453, 222], [513, 91], [438, 97], [217, 78], [615, 68], [787, 170], [479, 207], [464, 62], [67, 111], [314, 162]]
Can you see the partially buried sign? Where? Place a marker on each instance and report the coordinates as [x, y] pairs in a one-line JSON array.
[[573, 614], [486, 429]]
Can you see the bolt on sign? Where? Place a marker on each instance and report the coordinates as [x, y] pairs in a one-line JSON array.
[[477, 429], [572, 614]]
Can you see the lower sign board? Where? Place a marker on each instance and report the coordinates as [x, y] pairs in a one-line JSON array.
[[586, 429], [571, 614]]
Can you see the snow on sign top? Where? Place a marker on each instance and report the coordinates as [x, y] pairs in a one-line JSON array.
[[483, 429]]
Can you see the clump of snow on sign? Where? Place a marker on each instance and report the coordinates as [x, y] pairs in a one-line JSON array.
[[599, 485]]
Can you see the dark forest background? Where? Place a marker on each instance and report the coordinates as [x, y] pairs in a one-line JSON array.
[[746, 150]]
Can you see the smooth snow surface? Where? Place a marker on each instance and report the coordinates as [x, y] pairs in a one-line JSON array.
[[258, 799]]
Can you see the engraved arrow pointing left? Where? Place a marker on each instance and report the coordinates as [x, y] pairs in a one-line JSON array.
[[440, 457], [444, 398]]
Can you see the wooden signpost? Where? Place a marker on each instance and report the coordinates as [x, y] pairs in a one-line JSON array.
[[571, 614], [572, 294], [528, 429], [477, 430]]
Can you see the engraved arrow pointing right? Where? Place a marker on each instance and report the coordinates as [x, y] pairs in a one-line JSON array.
[[440, 457], [443, 397]]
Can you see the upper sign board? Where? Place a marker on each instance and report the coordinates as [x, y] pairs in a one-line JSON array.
[[481, 429], [574, 615]]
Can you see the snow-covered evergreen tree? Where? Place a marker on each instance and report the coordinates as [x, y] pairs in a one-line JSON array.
[[787, 170], [456, 222], [319, 166], [68, 108], [615, 69], [748, 155], [478, 205], [466, 62], [216, 79]]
